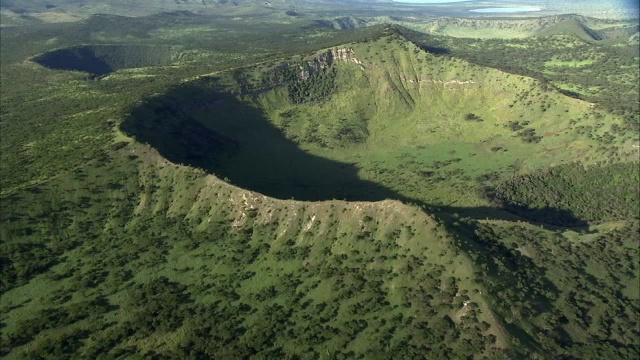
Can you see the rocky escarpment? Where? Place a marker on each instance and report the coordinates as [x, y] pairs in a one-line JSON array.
[[334, 55], [326, 60], [312, 79]]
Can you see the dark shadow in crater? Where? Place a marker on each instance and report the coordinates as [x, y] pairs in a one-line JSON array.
[[75, 59], [205, 127], [99, 60], [234, 140]]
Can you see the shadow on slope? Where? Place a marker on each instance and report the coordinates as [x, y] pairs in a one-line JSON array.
[[548, 216], [234, 140]]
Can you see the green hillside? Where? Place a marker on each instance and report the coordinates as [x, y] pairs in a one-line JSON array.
[[603, 73], [307, 193]]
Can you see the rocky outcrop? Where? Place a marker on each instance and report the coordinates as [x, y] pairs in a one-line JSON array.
[[327, 59], [343, 54], [312, 79]]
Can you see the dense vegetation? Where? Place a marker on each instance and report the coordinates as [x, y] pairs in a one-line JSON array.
[[594, 194], [122, 237], [572, 296], [304, 83]]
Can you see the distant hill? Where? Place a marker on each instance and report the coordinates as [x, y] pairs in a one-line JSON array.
[[465, 23], [342, 23], [570, 26], [586, 28], [67, 10]]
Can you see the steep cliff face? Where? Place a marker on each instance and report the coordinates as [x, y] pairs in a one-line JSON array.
[[343, 54], [306, 69], [328, 59], [312, 79]]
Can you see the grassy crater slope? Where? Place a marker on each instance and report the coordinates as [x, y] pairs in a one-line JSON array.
[[373, 120]]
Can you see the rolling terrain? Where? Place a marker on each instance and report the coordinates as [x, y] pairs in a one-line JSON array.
[[371, 193]]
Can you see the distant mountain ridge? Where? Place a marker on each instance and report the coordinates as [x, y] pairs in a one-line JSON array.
[[14, 12], [583, 27]]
